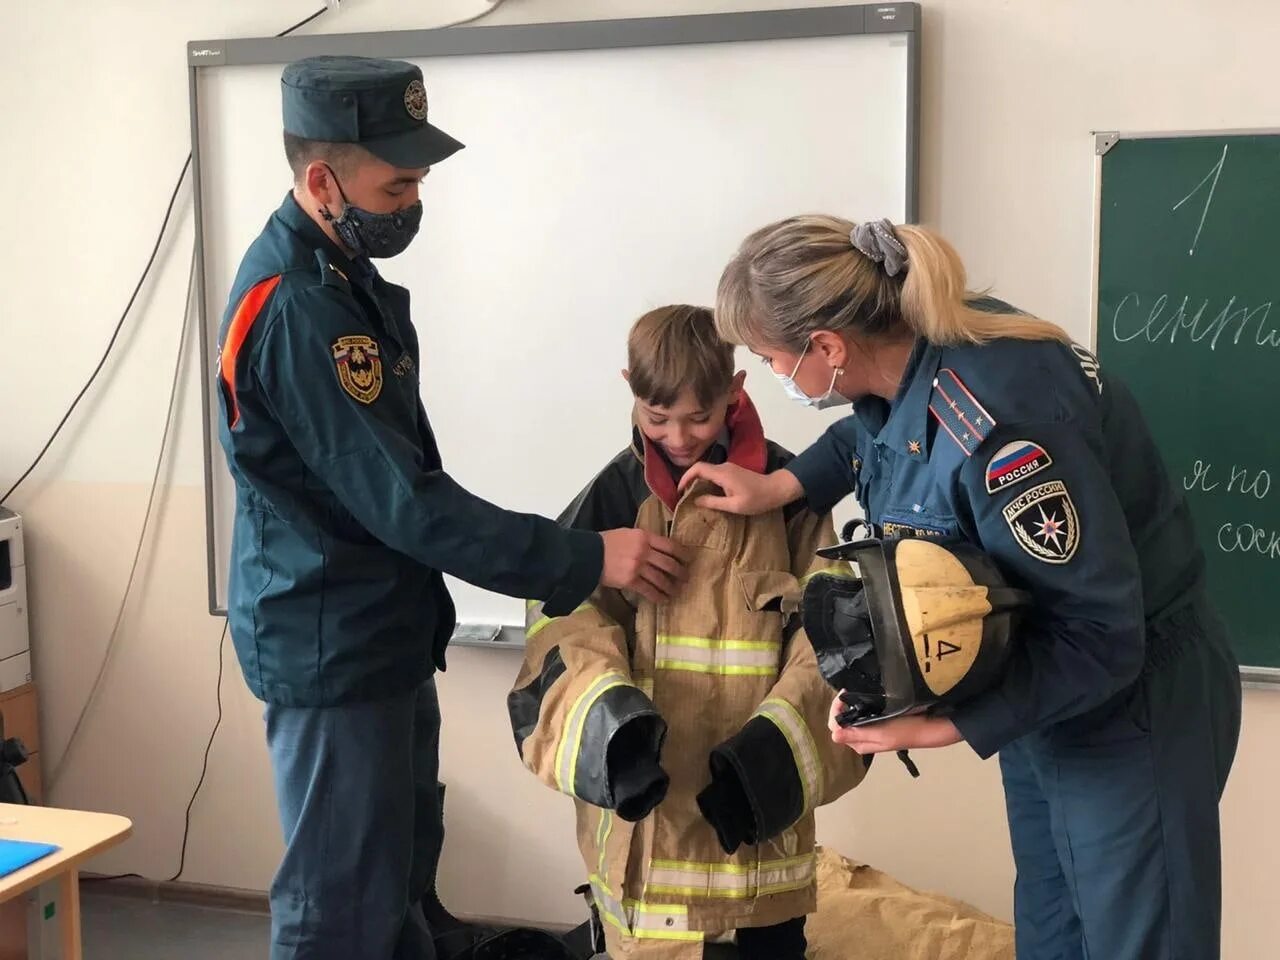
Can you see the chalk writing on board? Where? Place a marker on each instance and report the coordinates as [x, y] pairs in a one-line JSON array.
[[1248, 538], [1200, 323], [1256, 484], [1214, 173]]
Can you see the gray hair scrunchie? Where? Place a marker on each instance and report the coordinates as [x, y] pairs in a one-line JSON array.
[[876, 240]]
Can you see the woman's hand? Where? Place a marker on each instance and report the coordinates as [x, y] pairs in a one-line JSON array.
[[916, 732], [745, 492]]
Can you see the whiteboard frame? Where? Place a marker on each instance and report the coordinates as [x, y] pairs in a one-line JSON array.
[[1257, 678], [805, 23]]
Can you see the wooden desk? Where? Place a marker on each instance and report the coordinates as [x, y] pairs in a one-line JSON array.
[[80, 835]]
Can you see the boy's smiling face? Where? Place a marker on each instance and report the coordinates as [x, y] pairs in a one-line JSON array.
[[686, 429]]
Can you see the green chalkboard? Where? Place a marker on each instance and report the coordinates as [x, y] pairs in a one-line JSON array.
[[1188, 272]]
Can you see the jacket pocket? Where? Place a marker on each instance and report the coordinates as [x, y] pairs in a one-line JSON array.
[[770, 591]]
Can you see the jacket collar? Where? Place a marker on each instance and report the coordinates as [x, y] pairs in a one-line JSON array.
[[296, 220], [747, 448], [904, 424]]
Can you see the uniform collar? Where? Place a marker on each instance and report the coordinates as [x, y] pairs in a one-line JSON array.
[[308, 231], [906, 427]]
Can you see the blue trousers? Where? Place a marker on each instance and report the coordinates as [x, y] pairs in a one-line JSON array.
[[1114, 817], [356, 787]]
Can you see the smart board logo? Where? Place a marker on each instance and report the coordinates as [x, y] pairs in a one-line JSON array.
[[206, 52]]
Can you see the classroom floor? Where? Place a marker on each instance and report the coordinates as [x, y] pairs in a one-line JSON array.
[[126, 928]]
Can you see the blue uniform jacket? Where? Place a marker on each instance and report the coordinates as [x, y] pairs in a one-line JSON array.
[[1028, 450], [344, 516]]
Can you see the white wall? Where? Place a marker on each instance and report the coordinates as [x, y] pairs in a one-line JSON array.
[[95, 128]]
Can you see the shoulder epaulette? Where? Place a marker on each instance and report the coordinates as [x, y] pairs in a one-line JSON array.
[[330, 275], [959, 413]]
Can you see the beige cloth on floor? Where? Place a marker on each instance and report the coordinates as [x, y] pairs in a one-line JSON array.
[[864, 914]]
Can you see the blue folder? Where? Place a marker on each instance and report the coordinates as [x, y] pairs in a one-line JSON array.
[[16, 854]]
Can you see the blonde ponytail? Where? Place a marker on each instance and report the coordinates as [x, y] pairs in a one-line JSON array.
[[804, 274], [938, 306]]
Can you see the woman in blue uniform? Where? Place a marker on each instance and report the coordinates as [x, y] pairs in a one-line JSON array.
[[1117, 721]]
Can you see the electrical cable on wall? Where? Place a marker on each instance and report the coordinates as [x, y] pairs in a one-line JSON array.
[[95, 690], [146, 270], [115, 335], [208, 748]]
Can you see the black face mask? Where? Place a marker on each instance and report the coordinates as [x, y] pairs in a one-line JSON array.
[[370, 234]]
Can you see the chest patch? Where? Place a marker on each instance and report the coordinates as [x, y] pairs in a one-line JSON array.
[[359, 363], [1045, 523], [1015, 462]]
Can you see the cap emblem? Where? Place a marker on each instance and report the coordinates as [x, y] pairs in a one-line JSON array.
[[415, 100]]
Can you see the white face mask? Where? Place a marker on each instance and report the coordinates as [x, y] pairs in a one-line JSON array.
[[829, 399]]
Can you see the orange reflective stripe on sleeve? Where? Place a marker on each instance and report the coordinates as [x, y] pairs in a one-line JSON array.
[[248, 311]]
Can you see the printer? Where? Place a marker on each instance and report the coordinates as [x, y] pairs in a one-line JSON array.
[[15, 638]]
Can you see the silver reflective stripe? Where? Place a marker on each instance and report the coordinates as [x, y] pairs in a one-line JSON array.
[[754, 658], [571, 738], [649, 921], [730, 881], [805, 752]]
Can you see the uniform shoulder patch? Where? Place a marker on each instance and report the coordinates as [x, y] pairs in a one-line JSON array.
[[359, 363], [959, 413], [1045, 523], [1089, 365], [1015, 462]]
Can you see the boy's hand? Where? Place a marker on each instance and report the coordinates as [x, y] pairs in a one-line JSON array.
[[646, 563], [745, 492]]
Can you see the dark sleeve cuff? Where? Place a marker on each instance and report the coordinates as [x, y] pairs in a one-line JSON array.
[[586, 563], [826, 481], [625, 730], [987, 723], [766, 768]]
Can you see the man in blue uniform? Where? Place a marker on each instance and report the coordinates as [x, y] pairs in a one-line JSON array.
[[345, 520]]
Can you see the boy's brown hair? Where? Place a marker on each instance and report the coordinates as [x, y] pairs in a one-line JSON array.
[[675, 347]]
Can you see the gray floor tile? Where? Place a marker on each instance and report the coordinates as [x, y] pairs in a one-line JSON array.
[[122, 928]]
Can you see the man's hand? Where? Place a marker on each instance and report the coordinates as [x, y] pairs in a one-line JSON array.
[[901, 733], [745, 492], [646, 563]]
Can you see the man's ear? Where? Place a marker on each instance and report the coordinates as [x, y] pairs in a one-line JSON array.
[[739, 378], [626, 374], [319, 185], [831, 346]]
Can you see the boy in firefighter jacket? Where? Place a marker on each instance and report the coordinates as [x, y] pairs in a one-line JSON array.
[[693, 735]]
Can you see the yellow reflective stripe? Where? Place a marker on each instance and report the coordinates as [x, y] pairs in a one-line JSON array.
[[842, 572], [535, 622], [649, 921], [724, 671], [645, 685], [602, 837], [730, 881], [757, 658], [571, 738], [805, 752]]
